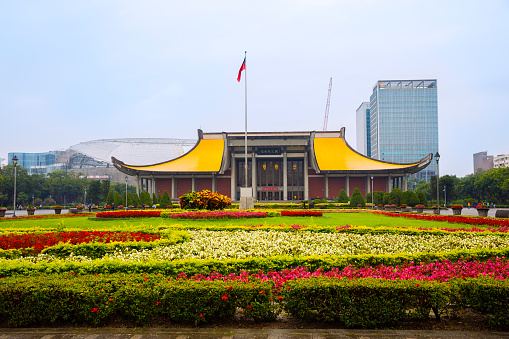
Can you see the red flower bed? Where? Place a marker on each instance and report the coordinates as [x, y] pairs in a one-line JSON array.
[[301, 214], [44, 216], [216, 215], [129, 214], [40, 241], [452, 219]]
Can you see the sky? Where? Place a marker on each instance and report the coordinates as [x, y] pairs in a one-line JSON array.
[[75, 71]]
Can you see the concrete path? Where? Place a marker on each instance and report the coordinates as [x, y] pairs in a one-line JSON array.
[[146, 333]]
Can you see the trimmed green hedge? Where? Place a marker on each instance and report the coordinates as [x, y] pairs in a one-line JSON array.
[[68, 299]]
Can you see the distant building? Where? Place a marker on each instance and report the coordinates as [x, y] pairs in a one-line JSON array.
[[501, 160], [483, 161], [363, 130], [38, 163], [404, 122]]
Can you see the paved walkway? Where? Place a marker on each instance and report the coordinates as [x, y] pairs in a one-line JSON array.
[[146, 333]]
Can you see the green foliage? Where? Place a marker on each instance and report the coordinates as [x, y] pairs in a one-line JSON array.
[[413, 199], [357, 198], [110, 199], [343, 197], [74, 299], [204, 200], [378, 196], [404, 198], [395, 197], [94, 192], [386, 198], [136, 200], [422, 199], [118, 200], [145, 198], [155, 200], [165, 201], [366, 303]]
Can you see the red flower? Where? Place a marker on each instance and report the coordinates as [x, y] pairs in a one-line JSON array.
[[280, 298], [249, 306], [111, 299], [224, 297], [95, 309], [262, 291], [157, 303], [201, 314]]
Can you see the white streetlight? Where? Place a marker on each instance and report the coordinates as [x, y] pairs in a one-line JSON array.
[[126, 191], [437, 158], [372, 195], [15, 162]]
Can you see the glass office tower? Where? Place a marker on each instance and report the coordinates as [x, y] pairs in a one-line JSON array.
[[404, 122], [363, 129]]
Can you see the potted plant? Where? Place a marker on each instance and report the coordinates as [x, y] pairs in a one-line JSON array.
[[58, 209], [94, 208], [436, 209], [2, 211], [31, 210], [403, 207], [419, 208], [380, 207], [482, 210], [456, 209]]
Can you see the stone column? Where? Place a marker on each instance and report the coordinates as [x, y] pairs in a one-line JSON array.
[[326, 178], [253, 175], [233, 180], [173, 187], [306, 177], [152, 187], [214, 183], [389, 183], [285, 177], [193, 183], [347, 185], [368, 184], [405, 183], [138, 184]]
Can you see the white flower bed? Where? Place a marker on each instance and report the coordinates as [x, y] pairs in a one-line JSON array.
[[245, 244]]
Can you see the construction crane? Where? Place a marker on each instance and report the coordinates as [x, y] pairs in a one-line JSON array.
[[326, 119]]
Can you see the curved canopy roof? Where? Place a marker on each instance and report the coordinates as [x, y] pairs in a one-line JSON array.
[[206, 156], [334, 154]]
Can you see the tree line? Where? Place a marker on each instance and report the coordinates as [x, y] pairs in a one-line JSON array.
[[57, 188]]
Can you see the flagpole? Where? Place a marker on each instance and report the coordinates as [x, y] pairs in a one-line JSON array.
[[245, 133]]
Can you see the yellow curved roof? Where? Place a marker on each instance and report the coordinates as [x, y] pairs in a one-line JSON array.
[[333, 154], [204, 157]]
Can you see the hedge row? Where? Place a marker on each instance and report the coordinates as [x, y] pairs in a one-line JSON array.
[[227, 266], [68, 299], [371, 303]]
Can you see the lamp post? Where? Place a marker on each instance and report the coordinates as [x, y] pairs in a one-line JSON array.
[[437, 158], [33, 200], [126, 191], [372, 195], [445, 197], [15, 162], [85, 196], [64, 201]]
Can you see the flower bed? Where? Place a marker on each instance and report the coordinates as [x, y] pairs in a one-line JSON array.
[[44, 216], [129, 214], [451, 219], [214, 215], [40, 241], [301, 214]]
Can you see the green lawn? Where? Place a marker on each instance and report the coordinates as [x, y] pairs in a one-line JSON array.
[[147, 224]]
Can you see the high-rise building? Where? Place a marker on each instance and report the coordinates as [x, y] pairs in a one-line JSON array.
[[483, 161], [501, 160], [363, 130], [404, 122]]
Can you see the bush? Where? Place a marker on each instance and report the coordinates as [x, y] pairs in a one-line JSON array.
[[343, 197], [204, 200], [422, 198], [165, 200], [357, 198]]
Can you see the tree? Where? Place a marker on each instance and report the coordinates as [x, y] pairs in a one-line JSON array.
[[412, 199], [94, 191], [145, 198], [395, 197], [105, 189], [154, 199], [378, 196], [404, 198], [357, 198], [110, 199], [422, 198], [136, 199], [343, 197], [165, 200], [118, 199]]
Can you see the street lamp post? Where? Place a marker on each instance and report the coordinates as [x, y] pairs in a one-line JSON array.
[[15, 162], [126, 191], [372, 195], [445, 197], [64, 201], [437, 158], [33, 200], [85, 195]]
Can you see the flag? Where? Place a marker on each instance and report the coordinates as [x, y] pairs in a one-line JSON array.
[[242, 67]]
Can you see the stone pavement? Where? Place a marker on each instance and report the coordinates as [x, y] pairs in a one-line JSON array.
[[199, 333]]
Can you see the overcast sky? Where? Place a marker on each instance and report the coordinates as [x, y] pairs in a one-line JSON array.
[[74, 71]]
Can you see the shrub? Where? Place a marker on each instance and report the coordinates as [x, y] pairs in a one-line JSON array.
[[165, 200], [343, 197], [357, 198], [422, 198], [204, 200]]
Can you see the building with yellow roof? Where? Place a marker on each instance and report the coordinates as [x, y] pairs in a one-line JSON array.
[[282, 166]]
